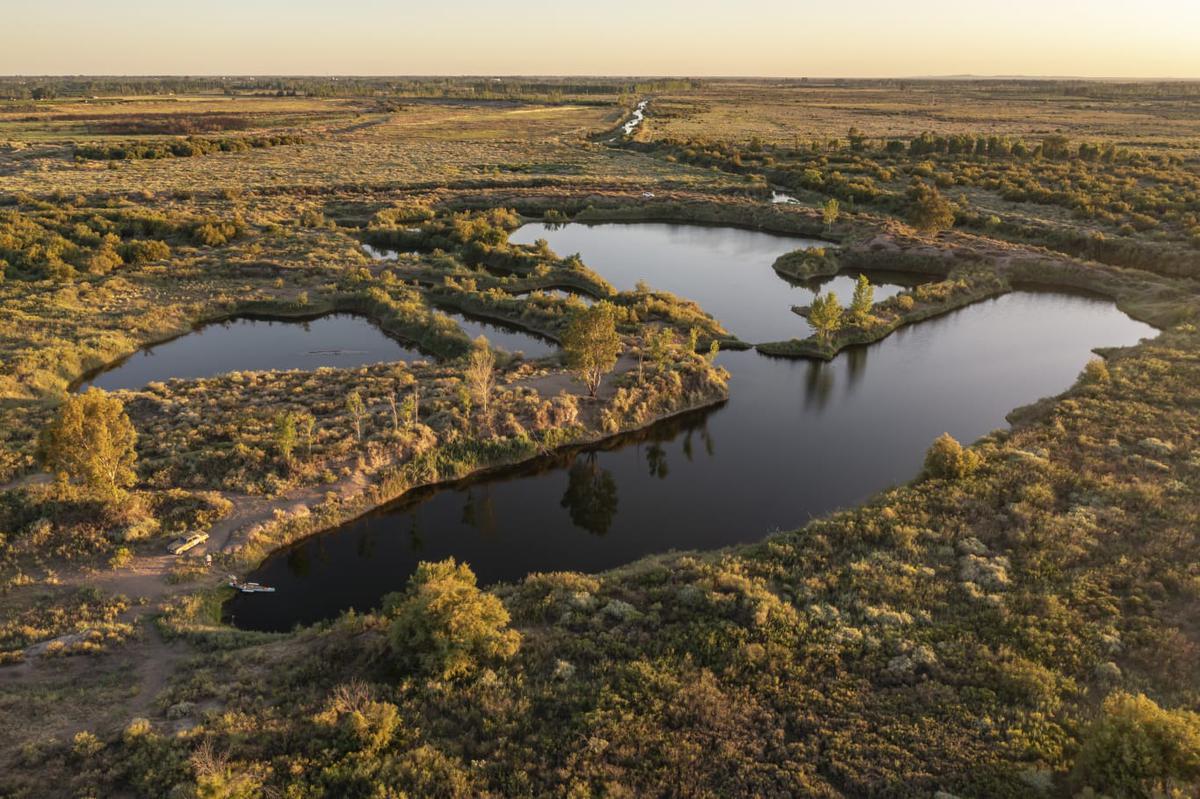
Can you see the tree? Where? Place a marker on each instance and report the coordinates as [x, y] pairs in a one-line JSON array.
[[410, 409], [1138, 749], [825, 315], [592, 345], [284, 435], [1095, 372], [929, 210], [662, 344], [444, 625], [307, 425], [357, 410], [391, 401], [1056, 146], [480, 375], [831, 211], [947, 460], [91, 442], [863, 300]]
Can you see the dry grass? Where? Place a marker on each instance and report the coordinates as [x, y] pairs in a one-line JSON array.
[[730, 111]]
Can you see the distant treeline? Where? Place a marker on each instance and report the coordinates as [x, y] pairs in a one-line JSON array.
[[1050, 87], [45, 88], [179, 148]]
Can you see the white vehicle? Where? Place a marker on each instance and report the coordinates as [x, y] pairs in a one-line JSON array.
[[181, 545]]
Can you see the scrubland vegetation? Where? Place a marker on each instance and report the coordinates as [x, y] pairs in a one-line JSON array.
[[1019, 620]]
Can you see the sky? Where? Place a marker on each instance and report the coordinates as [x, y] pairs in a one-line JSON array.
[[795, 38]]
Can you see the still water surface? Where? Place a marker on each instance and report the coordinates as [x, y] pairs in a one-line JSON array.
[[727, 271], [254, 344], [259, 344], [796, 439]]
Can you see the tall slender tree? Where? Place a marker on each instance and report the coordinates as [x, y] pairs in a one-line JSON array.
[[863, 300]]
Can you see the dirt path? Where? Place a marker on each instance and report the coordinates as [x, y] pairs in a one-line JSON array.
[[144, 577], [26, 480], [250, 513], [552, 385], [156, 660]]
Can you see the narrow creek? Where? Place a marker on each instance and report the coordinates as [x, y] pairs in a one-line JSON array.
[[796, 439]]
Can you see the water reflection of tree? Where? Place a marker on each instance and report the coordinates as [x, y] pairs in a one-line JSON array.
[[478, 510], [366, 545], [415, 541], [856, 364], [818, 385], [656, 459], [705, 438], [299, 561], [591, 495]]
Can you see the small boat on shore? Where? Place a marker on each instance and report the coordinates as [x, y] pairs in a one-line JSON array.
[[250, 588]]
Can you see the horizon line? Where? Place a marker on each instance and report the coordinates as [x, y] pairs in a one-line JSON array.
[[608, 76]]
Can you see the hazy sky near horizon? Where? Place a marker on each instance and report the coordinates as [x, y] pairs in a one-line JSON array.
[[1092, 38]]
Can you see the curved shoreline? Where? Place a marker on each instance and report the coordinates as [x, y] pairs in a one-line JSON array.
[[855, 336], [375, 495]]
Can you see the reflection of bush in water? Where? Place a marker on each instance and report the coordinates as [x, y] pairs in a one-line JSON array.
[[479, 511], [591, 495]]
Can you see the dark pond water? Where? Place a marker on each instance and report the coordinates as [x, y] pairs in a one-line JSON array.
[[504, 337], [253, 344], [727, 271], [257, 344], [796, 439]]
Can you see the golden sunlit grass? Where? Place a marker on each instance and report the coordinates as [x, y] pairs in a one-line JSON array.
[[973, 625], [422, 142], [779, 115]]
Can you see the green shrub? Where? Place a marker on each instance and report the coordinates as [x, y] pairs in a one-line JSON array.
[[445, 626], [947, 459], [1138, 749]]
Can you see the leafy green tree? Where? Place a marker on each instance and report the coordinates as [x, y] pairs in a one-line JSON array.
[[662, 344], [91, 443], [1056, 146], [863, 300], [948, 460], [1138, 749], [357, 410], [285, 435], [929, 211], [445, 626], [825, 315], [1096, 372], [410, 409], [592, 345], [831, 211], [306, 423]]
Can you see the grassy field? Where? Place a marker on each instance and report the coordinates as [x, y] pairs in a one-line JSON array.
[[1017, 621], [1128, 115]]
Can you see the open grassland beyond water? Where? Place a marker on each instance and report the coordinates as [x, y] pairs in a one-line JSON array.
[[972, 632]]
